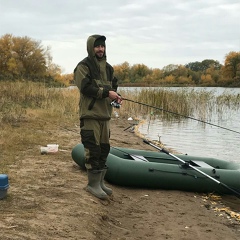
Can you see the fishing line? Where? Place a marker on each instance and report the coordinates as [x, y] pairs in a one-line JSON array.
[[178, 114]]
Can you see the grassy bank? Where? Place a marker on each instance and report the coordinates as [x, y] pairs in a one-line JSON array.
[[26, 108]]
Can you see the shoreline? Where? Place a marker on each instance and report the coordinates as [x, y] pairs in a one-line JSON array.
[[232, 210], [47, 198]]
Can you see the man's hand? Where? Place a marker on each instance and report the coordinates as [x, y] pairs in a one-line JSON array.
[[114, 96]]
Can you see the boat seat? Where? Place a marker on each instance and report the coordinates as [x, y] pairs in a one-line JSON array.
[[197, 163], [138, 158]]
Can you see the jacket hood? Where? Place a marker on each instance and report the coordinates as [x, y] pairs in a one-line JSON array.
[[90, 45]]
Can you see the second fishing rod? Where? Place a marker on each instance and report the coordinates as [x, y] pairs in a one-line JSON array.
[[178, 114]]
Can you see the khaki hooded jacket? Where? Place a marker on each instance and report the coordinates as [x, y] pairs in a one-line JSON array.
[[95, 79]]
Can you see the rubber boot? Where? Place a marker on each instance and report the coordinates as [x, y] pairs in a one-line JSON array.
[[94, 177], [106, 189]]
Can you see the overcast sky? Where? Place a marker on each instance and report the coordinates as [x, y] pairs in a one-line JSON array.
[[151, 32]]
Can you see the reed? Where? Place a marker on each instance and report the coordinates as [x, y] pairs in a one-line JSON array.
[[199, 104], [17, 98], [20, 98], [228, 101]]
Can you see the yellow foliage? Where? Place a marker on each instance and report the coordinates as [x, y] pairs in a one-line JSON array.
[[169, 79], [231, 65], [206, 79], [183, 80], [67, 79]]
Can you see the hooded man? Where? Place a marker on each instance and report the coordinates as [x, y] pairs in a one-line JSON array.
[[97, 86]]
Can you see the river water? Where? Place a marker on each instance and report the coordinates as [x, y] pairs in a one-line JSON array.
[[194, 138]]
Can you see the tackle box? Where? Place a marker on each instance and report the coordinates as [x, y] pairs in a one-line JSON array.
[[3, 185]]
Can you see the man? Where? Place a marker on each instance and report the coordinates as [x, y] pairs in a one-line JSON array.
[[97, 86]]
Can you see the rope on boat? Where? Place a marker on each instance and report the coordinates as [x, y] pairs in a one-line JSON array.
[[182, 173]]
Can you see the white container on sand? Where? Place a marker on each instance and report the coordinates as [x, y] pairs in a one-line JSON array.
[[51, 148]]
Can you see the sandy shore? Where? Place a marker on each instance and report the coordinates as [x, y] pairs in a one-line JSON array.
[[47, 200]]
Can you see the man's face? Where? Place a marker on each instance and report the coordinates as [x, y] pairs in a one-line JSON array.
[[99, 51]]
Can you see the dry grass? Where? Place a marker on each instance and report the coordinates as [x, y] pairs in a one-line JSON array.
[[34, 106], [27, 103]]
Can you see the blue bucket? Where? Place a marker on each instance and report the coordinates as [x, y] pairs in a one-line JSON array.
[[3, 185]]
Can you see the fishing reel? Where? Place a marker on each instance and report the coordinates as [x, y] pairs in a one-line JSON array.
[[115, 104]]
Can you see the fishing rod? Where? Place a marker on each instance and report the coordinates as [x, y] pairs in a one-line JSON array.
[[237, 194], [178, 114]]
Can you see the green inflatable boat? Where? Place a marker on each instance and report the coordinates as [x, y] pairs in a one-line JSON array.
[[152, 169]]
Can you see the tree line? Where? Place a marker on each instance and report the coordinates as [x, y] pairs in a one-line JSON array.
[[205, 73], [22, 58]]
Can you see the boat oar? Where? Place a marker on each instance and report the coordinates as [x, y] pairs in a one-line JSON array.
[[196, 169]]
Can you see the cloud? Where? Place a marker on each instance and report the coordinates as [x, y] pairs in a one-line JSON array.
[[155, 33]]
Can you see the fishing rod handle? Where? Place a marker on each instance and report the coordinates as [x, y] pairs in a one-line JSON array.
[[160, 149]]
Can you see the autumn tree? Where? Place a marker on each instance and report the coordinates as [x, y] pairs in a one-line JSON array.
[[177, 74], [195, 76], [169, 69], [170, 79], [210, 63], [67, 79], [22, 57], [157, 74], [206, 80], [231, 68], [122, 72], [204, 65], [214, 73], [138, 72], [6, 45], [155, 77], [194, 66]]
